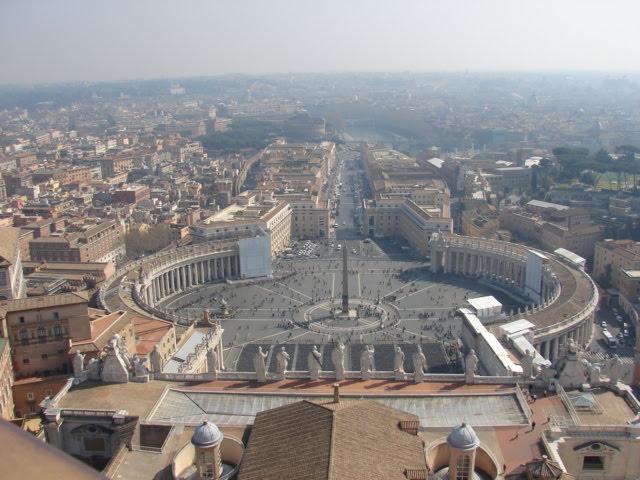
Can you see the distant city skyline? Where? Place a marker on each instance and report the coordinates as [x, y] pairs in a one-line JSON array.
[[45, 42]]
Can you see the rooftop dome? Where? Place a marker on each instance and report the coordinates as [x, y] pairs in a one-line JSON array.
[[206, 435], [463, 438]]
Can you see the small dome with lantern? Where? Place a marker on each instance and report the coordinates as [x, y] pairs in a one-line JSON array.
[[206, 435], [463, 437]]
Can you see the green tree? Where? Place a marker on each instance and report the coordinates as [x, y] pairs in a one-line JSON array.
[[602, 157], [146, 242], [571, 160]]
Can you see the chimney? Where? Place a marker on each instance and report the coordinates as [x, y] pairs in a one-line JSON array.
[[336, 393]]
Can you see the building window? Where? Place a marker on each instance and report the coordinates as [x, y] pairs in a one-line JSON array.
[[463, 467], [42, 334], [30, 396], [44, 356], [206, 464], [21, 319], [25, 361], [592, 462], [47, 392], [57, 330], [55, 315]]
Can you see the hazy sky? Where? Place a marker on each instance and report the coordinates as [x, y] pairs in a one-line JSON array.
[[58, 40]]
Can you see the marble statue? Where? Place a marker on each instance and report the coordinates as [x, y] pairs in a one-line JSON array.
[[282, 362], [398, 364], [314, 361], [337, 357], [366, 359], [258, 365], [156, 359], [419, 365], [527, 364], [78, 365], [122, 345], [615, 369], [212, 363], [470, 366], [139, 368], [366, 362]]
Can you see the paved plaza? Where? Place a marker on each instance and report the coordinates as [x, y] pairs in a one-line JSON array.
[[397, 299]]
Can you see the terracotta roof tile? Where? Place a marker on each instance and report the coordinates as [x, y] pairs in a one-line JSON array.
[[316, 440]]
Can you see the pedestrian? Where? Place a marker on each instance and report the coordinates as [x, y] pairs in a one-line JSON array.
[[533, 426]]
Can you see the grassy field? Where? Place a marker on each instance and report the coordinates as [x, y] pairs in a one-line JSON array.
[[609, 181]]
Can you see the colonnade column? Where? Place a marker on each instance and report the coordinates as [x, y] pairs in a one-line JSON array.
[[554, 349], [161, 285]]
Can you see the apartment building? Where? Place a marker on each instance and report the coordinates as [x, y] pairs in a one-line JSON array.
[[100, 242], [249, 217], [613, 256], [310, 219], [389, 217], [40, 331]]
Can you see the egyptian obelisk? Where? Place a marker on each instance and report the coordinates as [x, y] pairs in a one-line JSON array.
[[345, 281]]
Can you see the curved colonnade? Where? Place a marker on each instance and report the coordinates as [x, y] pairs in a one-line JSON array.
[[568, 297], [167, 273], [182, 269]]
